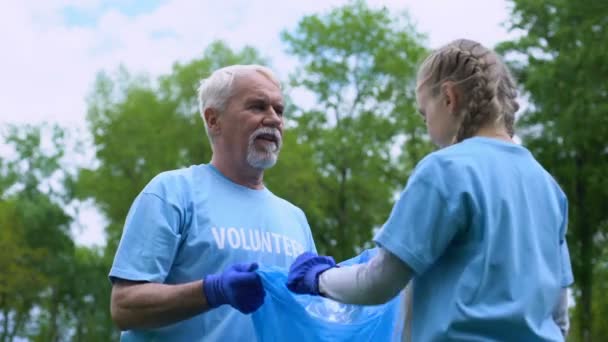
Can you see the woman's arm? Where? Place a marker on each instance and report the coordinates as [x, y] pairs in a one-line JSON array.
[[372, 283]]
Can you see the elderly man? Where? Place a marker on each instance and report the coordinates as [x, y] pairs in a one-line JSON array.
[[193, 238]]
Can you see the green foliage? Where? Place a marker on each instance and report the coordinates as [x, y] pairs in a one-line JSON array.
[[360, 63], [21, 283], [41, 291]]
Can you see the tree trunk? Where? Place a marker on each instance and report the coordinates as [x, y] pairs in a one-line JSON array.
[[585, 276], [5, 319], [53, 331], [342, 225], [20, 318]]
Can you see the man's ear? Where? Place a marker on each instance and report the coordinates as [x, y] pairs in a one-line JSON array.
[[451, 96], [212, 120]]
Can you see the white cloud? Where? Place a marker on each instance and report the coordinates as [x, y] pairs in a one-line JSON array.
[[50, 67], [88, 226], [446, 20], [47, 68]]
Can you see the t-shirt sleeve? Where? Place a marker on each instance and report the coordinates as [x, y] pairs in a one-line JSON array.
[[312, 247], [423, 222], [150, 240], [310, 243]]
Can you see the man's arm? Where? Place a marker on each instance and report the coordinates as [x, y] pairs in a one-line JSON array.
[[137, 305], [152, 305]]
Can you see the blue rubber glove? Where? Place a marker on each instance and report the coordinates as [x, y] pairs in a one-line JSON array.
[[304, 273], [239, 286]]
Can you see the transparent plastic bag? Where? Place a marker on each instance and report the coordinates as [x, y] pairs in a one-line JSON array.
[[286, 316]]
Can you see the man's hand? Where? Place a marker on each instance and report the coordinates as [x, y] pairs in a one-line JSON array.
[[239, 286], [304, 273]]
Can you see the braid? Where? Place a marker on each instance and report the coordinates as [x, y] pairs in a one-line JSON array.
[[481, 95], [507, 92], [488, 91]]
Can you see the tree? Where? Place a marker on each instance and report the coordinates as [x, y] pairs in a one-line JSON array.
[[90, 297], [360, 64], [563, 69], [21, 282], [35, 243], [599, 304]]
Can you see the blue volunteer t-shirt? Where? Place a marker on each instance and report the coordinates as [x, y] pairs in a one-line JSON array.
[[482, 225], [192, 222]]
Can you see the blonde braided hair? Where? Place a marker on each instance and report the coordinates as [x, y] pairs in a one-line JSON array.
[[486, 85]]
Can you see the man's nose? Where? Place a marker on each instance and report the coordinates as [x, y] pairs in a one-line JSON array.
[[273, 119]]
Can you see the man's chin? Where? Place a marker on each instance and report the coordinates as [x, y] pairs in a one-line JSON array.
[[263, 163]]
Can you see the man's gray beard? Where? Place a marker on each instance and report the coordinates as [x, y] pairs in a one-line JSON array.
[[263, 159]]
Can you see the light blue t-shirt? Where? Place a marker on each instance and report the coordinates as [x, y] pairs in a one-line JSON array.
[[482, 225], [192, 222]]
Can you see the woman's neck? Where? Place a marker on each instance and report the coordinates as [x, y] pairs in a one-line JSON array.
[[494, 132]]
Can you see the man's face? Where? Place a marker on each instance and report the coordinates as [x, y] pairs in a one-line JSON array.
[[252, 124]]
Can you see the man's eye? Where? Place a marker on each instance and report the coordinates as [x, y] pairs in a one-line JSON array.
[[258, 107]]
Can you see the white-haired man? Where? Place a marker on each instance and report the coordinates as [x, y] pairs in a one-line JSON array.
[[193, 238]]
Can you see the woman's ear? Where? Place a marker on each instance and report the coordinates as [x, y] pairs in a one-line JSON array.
[[450, 96]]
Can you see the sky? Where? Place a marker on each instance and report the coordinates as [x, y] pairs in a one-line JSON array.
[[52, 49]]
